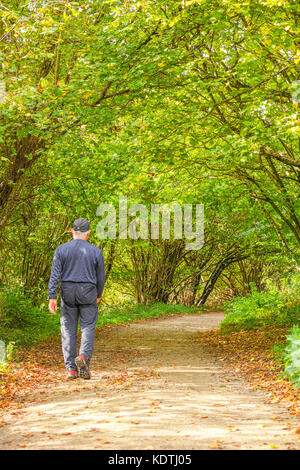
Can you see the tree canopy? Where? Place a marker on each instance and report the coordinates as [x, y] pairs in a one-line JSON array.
[[192, 101]]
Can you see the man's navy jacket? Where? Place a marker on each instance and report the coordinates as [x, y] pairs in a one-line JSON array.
[[77, 261]]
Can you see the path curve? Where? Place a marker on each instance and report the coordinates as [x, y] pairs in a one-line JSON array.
[[153, 387]]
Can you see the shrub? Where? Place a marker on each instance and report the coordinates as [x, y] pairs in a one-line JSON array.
[[23, 318], [261, 309], [16, 309]]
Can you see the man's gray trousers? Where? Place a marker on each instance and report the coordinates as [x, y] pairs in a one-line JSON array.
[[78, 303]]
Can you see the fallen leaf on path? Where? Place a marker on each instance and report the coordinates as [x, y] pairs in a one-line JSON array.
[[262, 372]]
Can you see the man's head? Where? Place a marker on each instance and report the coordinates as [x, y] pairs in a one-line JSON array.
[[81, 228]]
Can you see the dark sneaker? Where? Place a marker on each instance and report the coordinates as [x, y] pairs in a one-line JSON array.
[[72, 374], [82, 367]]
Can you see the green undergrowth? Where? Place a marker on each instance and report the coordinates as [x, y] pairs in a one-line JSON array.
[[261, 309], [130, 312], [25, 320]]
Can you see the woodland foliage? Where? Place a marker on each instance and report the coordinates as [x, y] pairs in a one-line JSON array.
[[188, 101]]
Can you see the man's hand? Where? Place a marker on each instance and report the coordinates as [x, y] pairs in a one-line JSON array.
[[98, 300], [53, 306]]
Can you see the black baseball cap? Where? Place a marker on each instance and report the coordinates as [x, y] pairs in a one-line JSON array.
[[81, 225]]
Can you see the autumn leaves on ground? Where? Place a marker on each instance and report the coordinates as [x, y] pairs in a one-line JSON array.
[[169, 383]]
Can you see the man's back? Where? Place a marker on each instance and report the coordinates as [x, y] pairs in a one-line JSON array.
[[77, 261]]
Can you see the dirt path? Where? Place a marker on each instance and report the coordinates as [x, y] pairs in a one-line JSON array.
[[153, 387]]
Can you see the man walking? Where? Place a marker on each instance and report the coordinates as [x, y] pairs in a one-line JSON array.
[[79, 266]]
